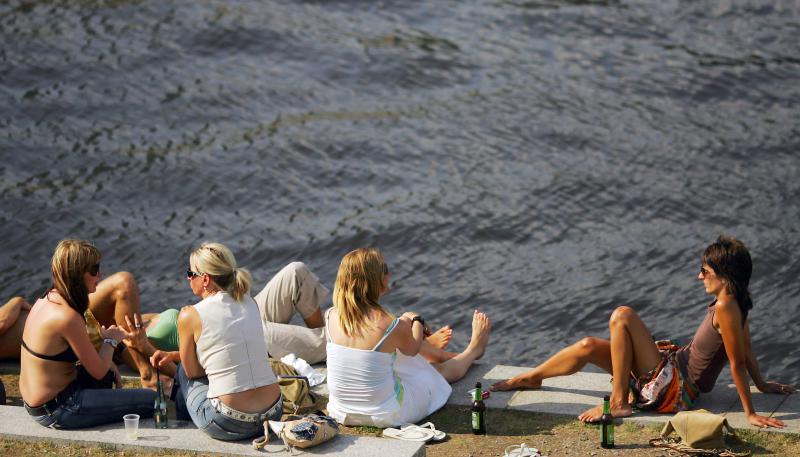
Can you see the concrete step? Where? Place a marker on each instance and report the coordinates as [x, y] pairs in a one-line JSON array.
[[15, 423], [571, 395]]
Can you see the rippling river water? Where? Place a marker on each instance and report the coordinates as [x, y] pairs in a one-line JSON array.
[[541, 160]]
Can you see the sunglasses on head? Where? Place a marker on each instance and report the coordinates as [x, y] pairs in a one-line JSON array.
[[191, 274], [94, 270]]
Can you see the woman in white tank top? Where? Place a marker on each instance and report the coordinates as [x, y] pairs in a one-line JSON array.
[[376, 375], [224, 381]]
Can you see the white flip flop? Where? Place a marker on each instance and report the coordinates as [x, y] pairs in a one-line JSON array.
[[521, 450], [410, 433], [438, 435]]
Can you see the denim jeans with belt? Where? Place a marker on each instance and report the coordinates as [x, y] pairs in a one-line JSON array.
[[192, 403], [83, 408]]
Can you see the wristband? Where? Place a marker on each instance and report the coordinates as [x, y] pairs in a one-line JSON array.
[[418, 319], [111, 341]]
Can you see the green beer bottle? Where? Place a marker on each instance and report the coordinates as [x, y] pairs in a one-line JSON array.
[[606, 425], [478, 412], [160, 406]]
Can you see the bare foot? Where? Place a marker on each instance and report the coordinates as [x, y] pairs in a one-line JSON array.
[[521, 382], [594, 414], [481, 327], [441, 338]]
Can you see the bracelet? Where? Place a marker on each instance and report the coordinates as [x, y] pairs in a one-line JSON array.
[[419, 319], [111, 341]]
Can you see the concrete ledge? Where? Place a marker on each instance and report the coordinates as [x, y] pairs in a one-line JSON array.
[[568, 395], [571, 395], [15, 423]]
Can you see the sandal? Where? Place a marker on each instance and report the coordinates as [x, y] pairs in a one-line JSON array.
[[438, 435], [425, 432], [409, 434], [521, 450]]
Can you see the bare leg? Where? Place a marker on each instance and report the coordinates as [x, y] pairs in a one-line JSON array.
[[455, 368], [116, 297], [315, 320], [12, 322], [434, 354], [565, 362], [632, 350]]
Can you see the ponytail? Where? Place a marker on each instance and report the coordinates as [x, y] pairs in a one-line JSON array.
[[240, 286]]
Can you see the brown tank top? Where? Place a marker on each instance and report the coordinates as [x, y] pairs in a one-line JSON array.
[[703, 359]]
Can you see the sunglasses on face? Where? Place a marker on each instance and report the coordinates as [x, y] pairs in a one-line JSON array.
[[191, 274], [704, 271], [94, 270], [385, 269]]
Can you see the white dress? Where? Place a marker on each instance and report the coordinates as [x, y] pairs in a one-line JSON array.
[[369, 387]]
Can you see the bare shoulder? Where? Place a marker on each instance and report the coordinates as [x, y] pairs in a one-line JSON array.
[[728, 313], [188, 314], [188, 309], [726, 306], [58, 316]]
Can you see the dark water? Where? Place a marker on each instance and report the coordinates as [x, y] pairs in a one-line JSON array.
[[542, 160]]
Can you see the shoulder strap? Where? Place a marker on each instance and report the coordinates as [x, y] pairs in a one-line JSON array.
[[386, 333], [327, 320]]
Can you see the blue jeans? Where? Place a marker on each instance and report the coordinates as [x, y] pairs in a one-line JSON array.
[[191, 402], [83, 408]]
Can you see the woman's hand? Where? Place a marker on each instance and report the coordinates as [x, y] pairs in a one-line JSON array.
[[409, 315], [114, 332], [138, 339], [161, 358], [772, 387], [764, 422]]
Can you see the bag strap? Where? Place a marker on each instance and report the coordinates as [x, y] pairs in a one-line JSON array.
[[260, 443], [686, 450]]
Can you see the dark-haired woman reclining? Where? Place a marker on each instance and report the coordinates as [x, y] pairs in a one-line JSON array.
[[665, 377]]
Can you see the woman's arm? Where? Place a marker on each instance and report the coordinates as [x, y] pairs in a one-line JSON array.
[[9, 313], [770, 387], [189, 328], [408, 335], [729, 319], [96, 364]]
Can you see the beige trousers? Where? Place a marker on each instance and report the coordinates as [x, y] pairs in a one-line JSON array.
[[294, 289]]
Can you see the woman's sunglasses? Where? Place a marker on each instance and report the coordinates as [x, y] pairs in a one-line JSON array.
[[94, 270], [191, 274]]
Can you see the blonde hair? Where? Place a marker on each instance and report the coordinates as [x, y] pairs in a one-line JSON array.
[[359, 284], [71, 259], [217, 261]]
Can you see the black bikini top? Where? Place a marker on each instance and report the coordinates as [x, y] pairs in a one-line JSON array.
[[67, 355]]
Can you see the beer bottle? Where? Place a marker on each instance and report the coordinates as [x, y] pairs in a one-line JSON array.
[[606, 425], [160, 407], [478, 412]]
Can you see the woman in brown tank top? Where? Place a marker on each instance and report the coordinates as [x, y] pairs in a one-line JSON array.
[[631, 355]]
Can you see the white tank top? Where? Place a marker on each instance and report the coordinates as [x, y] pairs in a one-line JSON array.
[[231, 346]]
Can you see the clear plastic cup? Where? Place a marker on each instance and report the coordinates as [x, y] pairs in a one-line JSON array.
[[131, 426]]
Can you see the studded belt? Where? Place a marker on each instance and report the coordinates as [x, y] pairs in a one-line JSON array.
[[227, 411]]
